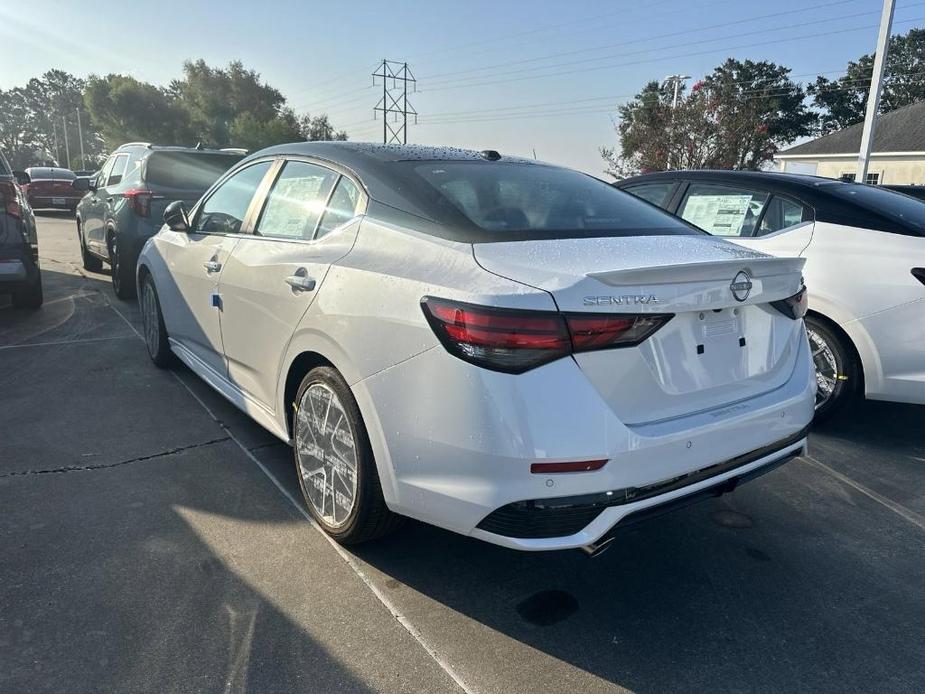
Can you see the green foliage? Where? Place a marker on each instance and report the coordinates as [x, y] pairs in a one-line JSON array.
[[843, 101], [38, 122], [215, 106], [737, 117], [127, 110]]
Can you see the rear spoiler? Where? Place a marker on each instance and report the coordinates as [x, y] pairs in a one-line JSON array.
[[702, 271]]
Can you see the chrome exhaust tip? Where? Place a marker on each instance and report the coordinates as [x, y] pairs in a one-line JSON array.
[[596, 549]]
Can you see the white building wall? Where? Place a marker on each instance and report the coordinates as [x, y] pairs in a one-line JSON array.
[[896, 170]]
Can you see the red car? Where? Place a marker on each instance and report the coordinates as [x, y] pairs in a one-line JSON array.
[[50, 188]]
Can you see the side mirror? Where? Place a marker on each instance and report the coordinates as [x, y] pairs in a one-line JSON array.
[[22, 178], [81, 184], [176, 217]]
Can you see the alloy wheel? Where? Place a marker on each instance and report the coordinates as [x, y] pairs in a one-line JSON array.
[[149, 318], [826, 367], [326, 455]]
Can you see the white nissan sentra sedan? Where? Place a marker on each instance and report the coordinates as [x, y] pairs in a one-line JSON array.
[[507, 349]]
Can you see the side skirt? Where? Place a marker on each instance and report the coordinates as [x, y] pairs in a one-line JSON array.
[[230, 391]]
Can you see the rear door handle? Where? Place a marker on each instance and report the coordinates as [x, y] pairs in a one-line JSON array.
[[212, 266], [300, 283]]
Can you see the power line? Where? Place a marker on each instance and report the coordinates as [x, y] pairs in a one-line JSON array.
[[672, 57], [747, 95], [693, 43], [644, 39]]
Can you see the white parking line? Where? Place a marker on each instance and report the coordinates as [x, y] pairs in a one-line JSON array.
[[67, 342], [898, 509], [300, 508]]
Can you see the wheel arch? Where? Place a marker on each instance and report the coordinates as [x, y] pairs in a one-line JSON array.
[[298, 368], [847, 340]]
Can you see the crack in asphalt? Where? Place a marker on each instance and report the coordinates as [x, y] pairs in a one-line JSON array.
[[103, 466]]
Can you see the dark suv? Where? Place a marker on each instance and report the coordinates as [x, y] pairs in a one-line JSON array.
[[125, 201], [19, 247]]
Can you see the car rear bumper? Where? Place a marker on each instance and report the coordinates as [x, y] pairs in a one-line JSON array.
[[455, 443], [56, 202]]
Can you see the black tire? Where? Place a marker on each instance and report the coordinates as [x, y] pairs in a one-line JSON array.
[[836, 367], [155, 333], [31, 296], [122, 271], [90, 262], [369, 518]]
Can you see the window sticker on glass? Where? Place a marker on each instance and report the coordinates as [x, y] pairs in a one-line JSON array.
[[723, 215]]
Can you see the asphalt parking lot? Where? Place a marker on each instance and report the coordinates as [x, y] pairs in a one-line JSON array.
[[152, 541]]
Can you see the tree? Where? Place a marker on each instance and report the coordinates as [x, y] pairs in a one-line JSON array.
[[253, 133], [126, 110], [737, 117], [17, 134], [844, 101], [319, 128]]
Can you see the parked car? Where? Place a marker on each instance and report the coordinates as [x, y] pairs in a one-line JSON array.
[[865, 266], [915, 191], [507, 349], [50, 188], [125, 202], [19, 247]]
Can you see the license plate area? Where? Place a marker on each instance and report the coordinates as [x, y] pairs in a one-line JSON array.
[[57, 201]]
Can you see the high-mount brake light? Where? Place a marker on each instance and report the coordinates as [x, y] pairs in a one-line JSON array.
[[514, 340], [793, 306]]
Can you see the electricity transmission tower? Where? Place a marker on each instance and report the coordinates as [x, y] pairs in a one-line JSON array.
[[395, 78]]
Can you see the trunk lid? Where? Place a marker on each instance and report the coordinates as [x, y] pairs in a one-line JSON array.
[[724, 343]]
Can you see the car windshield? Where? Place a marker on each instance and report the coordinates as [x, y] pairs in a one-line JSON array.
[[511, 199], [897, 207], [43, 173], [194, 171]]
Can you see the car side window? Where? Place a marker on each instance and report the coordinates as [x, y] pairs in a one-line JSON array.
[[723, 210], [657, 193], [117, 171], [296, 201], [341, 208], [780, 214], [104, 171], [225, 209]]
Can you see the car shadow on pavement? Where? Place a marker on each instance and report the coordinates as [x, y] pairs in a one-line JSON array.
[[774, 588], [141, 550]]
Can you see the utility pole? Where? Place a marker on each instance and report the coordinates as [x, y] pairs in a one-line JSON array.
[[876, 84], [67, 149], [677, 80], [80, 136], [394, 101], [54, 129]]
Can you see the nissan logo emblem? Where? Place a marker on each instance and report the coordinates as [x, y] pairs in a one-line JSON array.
[[741, 286]]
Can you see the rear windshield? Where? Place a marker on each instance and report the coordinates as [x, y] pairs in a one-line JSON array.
[[514, 200], [897, 207], [47, 173], [194, 171]]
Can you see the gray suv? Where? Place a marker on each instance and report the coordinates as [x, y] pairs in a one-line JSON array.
[[125, 201], [19, 246]]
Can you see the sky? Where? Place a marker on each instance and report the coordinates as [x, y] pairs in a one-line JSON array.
[[525, 77]]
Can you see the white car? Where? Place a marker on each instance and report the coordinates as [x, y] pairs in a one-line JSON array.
[[865, 266], [510, 350]]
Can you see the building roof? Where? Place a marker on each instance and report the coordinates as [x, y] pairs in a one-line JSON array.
[[902, 130]]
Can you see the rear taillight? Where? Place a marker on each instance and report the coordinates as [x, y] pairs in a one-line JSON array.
[[139, 200], [793, 306], [514, 341], [9, 198]]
